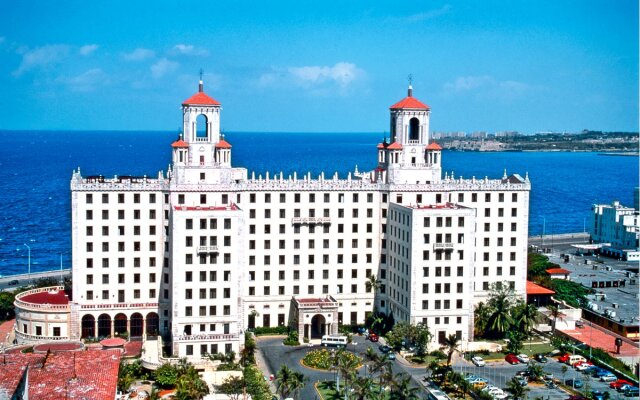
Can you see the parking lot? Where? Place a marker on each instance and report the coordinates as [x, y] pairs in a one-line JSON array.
[[498, 373]]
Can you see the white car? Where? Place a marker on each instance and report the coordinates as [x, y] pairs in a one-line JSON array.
[[478, 361], [523, 358], [608, 378]]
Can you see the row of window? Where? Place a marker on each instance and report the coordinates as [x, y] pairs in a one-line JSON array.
[[121, 278], [121, 198], [137, 229], [121, 295], [202, 311], [442, 304], [311, 274], [310, 198], [211, 223], [311, 259], [355, 213], [340, 288], [228, 348], [137, 214], [136, 246], [311, 243], [137, 262]]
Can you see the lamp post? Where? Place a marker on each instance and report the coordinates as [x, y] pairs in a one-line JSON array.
[[29, 270]]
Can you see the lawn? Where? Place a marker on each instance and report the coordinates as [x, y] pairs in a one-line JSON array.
[[327, 390], [528, 349]]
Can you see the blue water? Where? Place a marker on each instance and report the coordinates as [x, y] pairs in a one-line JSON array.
[[36, 166]]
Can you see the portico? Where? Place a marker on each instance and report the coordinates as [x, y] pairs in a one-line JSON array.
[[315, 317]]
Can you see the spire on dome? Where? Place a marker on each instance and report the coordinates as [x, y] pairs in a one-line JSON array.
[[201, 84], [410, 90]]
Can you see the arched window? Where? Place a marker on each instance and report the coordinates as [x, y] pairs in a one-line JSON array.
[[202, 126], [393, 128], [414, 129]]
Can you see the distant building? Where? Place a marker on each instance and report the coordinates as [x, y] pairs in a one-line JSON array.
[[618, 229]]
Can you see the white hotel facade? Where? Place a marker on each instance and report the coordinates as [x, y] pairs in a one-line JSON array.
[[204, 251]]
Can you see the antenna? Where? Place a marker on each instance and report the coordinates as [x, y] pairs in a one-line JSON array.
[[201, 73], [410, 78]]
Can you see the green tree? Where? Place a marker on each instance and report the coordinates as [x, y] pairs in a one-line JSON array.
[[166, 375], [481, 318], [501, 300], [233, 387], [382, 367], [421, 336], [190, 386], [450, 345], [515, 341], [347, 367], [555, 314], [401, 388], [526, 316], [516, 389], [284, 380], [7, 310], [363, 388]]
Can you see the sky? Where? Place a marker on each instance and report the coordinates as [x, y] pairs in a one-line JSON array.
[[309, 66]]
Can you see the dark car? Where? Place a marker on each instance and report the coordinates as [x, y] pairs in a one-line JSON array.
[[385, 349], [598, 395], [575, 383], [13, 282], [541, 358], [632, 391]]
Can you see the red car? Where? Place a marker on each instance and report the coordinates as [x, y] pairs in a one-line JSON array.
[[373, 337], [512, 359], [618, 383], [564, 358]]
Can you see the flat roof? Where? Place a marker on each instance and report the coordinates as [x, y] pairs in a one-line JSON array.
[[57, 297]]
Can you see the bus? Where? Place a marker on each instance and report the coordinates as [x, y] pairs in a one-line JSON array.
[[331, 340]]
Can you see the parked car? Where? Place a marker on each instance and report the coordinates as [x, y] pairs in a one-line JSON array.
[[618, 383], [574, 359], [511, 359], [373, 337], [598, 395], [576, 397], [391, 355], [574, 383], [478, 361], [523, 358], [564, 357], [13, 282], [541, 358], [598, 372], [522, 380], [624, 387], [385, 349], [632, 392], [610, 377], [581, 366], [547, 376]]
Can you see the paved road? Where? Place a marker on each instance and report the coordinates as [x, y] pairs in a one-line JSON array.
[[276, 354], [24, 279]]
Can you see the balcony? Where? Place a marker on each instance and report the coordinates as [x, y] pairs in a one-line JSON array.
[[443, 246], [311, 220], [207, 249]]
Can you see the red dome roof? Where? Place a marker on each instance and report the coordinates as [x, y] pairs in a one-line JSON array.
[[410, 102], [201, 98], [179, 143], [223, 144], [395, 146], [434, 146]]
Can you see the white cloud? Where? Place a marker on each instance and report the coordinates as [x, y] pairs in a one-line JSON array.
[[41, 57], [163, 67], [85, 82], [139, 54], [189, 49], [428, 14], [88, 49], [315, 78], [486, 86]]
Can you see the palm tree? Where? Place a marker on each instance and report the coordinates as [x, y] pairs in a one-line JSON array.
[[500, 318], [347, 367], [401, 389], [190, 386], [373, 284], [481, 318], [451, 344], [296, 383], [527, 318], [363, 388], [284, 380], [517, 391], [382, 366], [554, 312]]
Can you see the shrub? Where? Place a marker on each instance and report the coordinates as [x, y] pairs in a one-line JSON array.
[[267, 330], [321, 359], [439, 354]]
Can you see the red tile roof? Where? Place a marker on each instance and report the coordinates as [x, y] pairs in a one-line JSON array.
[[381, 145], [10, 377], [113, 342], [223, 144], [179, 143], [410, 102], [57, 297], [534, 288], [558, 271], [65, 375], [395, 146], [201, 98], [434, 146]]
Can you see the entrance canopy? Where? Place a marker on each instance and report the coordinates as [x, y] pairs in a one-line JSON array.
[[315, 317]]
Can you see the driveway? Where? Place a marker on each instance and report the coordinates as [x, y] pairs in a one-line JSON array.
[[275, 354]]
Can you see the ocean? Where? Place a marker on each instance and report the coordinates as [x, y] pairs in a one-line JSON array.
[[36, 167]]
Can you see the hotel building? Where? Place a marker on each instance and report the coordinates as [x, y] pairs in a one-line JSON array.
[[203, 251]]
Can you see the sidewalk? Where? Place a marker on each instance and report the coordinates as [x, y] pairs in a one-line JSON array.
[[264, 367]]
